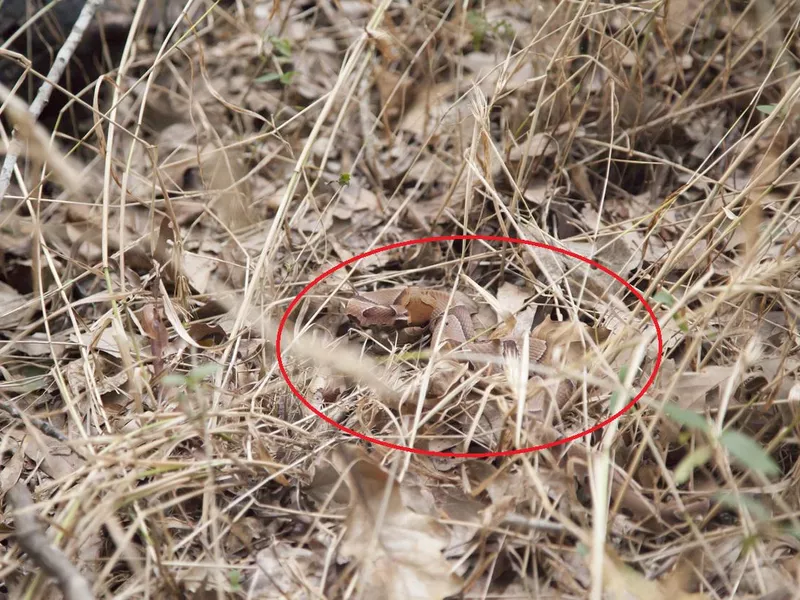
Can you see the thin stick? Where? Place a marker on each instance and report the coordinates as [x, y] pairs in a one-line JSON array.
[[33, 541], [41, 425], [46, 89]]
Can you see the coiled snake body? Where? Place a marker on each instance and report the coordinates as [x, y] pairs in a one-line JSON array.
[[415, 309]]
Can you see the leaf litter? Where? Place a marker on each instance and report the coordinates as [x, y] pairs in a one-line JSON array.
[[140, 399]]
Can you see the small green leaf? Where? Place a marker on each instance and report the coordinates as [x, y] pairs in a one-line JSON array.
[[681, 323], [749, 543], [690, 462], [235, 578], [749, 452], [344, 178], [282, 46], [684, 417], [767, 109], [266, 78], [479, 26], [284, 78], [664, 297], [173, 380], [33, 371], [197, 374], [615, 403]]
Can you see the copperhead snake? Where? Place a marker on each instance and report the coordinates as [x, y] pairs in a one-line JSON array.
[[414, 310]]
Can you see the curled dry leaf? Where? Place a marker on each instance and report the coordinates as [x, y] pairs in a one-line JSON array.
[[153, 326], [207, 335], [399, 555], [579, 175]]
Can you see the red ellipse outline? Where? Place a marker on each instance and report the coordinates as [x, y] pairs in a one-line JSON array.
[[453, 238]]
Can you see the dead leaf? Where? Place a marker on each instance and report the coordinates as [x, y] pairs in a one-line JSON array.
[[191, 164], [543, 143], [579, 176], [11, 303], [56, 459], [286, 571], [76, 378], [12, 469], [386, 45], [624, 583], [681, 14], [566, 341], [432, 104], [37, 344], [207, 335], [400, 557], [387, 82], [511, 298], [622, 253], [692, 387]]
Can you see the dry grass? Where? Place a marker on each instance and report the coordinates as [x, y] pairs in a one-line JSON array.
[[233, 152]]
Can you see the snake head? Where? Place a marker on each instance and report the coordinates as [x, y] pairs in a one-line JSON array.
[[365, 313]]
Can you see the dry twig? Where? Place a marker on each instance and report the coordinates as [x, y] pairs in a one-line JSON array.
[[33, 541], [46, 89], [43, 426]]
